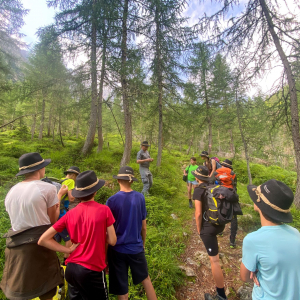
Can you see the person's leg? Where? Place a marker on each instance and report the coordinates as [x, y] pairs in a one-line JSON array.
[[123, 297], [150, 180], [217, 271], [233, 231], [149, 289], [49, 295], [189, 187]]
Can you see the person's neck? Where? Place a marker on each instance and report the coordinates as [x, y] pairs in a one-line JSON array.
[[126, 189], [32, 178], [265, 222]]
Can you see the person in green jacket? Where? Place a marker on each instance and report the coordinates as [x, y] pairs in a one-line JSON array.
[[191, 180]]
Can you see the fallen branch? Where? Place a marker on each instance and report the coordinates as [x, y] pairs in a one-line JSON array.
[[17, 119]]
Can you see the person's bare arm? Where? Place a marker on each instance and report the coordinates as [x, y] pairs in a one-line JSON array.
[[214, 167], [71, 198], [245, 273], [144, 232], [198, 214], [47, 241], [139, 161], [53, 211], [111, 237]]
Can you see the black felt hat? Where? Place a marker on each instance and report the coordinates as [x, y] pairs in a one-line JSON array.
[[72, 169], [31, 162], [125, 173], [145, 143], [202, 173], [86, 183], [227, 163], [204, 153], [274, 199]]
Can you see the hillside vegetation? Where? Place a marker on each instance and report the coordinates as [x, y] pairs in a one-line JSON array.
[[166, 237]]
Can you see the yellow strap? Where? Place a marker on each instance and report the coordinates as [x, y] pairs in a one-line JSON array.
[[33, 165], [261, 196], [87, 187]]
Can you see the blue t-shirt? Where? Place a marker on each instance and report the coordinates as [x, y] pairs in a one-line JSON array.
[[129, 210], [275, 252]]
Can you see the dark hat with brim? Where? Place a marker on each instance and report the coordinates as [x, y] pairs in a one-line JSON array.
[[31, 162], [125, 173], [274, 199], [202, 173], [73, 169], [204, 154], [145, 143], [227, 163], [86, 183]]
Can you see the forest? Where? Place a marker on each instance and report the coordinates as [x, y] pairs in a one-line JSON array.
[[108, 74]]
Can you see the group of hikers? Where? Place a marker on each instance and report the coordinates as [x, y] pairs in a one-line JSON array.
[[98, 237], [270, 255]]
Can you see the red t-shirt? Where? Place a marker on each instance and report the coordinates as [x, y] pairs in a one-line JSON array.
[[86, 224]]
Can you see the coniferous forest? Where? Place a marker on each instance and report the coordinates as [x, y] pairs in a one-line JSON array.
[[109, 74]]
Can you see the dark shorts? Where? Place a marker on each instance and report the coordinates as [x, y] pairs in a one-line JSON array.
[[208, 235], [85, 284], [118, 270], [49, 294], [62, 235]]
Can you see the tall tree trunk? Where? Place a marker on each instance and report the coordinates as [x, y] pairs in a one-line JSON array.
[[34, 120], [77, 129], [59, 126], [53, 130], [100, 100], [232, 149], [189, 149], [126, 103], [207, 115], [238, 112], [88, 145], [49, 122], [159, 86], [42, 115], [293, 96]]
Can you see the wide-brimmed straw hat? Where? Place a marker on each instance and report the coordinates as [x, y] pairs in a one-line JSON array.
[[204, 153], [145, 143], [72, 169], [274, 199], [31, 162], [125, 173], [202, 173], [227, 163], [86, 183]]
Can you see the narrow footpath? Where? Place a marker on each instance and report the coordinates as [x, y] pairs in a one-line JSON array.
[[195, 264]]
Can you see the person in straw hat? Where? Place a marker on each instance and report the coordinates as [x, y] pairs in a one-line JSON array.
[[90, 226], [33, 205], [271, 256], [208, 232], [129, 210], [143, 159]]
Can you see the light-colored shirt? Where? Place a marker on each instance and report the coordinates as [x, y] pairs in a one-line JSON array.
[[274, 252], [27, 204], [143, 155]]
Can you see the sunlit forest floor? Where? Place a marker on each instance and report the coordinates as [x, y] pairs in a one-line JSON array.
[[171, 242]]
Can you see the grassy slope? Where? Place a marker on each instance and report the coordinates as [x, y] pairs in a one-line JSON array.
[[165, 238]]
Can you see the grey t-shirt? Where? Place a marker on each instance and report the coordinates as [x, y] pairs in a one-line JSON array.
[[143, 155]]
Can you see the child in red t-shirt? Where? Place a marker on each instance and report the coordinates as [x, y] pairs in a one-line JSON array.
[[90, 226]]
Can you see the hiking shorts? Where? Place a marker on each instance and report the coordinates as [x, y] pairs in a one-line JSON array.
[[195, 182], [62, 235], [118, 264], [85, 284], [208, 235]]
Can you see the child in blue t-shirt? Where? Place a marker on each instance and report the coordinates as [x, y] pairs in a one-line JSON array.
[[271, 256], [129, 210]]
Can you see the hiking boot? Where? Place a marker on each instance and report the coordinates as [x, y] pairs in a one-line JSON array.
[[190, 203], [232, 243], [213, 297]]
